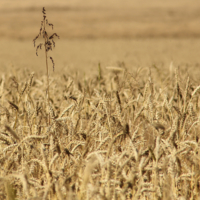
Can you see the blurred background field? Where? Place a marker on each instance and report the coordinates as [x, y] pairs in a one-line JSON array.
[[138, 33]]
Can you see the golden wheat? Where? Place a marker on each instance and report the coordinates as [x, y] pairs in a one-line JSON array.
[[117, 135]]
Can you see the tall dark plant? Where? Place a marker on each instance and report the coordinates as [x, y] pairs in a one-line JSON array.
[[48, 44]]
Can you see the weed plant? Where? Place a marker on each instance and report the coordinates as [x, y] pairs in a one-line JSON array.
[[48, 43]]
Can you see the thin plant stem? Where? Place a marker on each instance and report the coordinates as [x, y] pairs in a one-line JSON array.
[[48, 44]]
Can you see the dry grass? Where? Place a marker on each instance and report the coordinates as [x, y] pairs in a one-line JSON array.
[[119, 135]]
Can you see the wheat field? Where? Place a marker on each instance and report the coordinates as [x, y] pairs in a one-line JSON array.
[[119, 135], [109, 131]]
